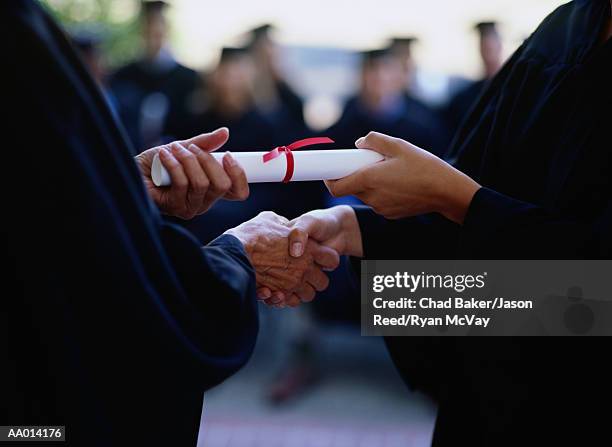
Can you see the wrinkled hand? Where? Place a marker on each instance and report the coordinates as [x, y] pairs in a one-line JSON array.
[[408, 182], [336, 228], [198, 180], [283, 279]]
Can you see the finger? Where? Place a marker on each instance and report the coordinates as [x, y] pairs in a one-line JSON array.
[[263, 293], [179, 180], [278, 297], [293, 300], [307, 226], [209, 142], [298, 237], [326, 257], [317, 279], [219, 182], [240, 187], [349, 185], [381, 143], [269, 302], [198, 179], [306, 293]]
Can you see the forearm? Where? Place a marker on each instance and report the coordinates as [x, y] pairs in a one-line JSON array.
[[499, 226], [422, 237], [215, 304]]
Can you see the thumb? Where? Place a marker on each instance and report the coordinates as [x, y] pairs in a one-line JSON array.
[[298, 237], [209, 142], [301, 228], [313, 225], [381, 143], [326, 257]]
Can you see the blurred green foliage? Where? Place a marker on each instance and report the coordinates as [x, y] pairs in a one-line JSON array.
[[114, 21]]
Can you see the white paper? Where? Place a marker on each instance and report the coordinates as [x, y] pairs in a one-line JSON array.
[[309, 165]]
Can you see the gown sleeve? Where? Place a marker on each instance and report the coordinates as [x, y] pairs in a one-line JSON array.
[[422, 237], [498, 224]]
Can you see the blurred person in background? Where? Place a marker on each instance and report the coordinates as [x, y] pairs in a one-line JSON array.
[[382, 104], [276, 99], [229, 102], [402, 49], [490, 45], [274, 96], [88, 47], [155, 92]]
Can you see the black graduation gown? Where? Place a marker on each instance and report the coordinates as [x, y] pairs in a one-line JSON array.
[[460, 104], [113, 321], [538, 140]]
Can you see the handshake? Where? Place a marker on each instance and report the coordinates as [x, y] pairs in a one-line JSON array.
[[290, 257]]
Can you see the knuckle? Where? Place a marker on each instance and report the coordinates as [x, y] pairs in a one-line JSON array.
[[224, 184], [325, 283], [243, 193], [372, 136], [204, 184], [181, 183]]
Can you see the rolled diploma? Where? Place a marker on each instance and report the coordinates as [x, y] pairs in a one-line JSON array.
[[308, 165]]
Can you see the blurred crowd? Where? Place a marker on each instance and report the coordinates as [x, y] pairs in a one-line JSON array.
[[158, 100]]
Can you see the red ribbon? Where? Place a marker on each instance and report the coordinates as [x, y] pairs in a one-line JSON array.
[[276, 152]]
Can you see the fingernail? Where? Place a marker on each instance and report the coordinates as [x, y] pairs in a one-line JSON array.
[[163, 152], [264, 295], [359, 141], [231, 161], [194, 148], [296, 249]]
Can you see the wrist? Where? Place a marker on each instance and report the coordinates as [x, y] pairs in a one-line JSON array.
[[248, 243], [353, 245], [456, 196]]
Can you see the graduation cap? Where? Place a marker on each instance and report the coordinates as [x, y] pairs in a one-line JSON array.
[[258, 34], [232, 53], [153, 6], [402, 42], [262, 30], [486, 28], [374, 55]]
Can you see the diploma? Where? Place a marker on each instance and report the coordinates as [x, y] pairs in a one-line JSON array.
[[307, 165]]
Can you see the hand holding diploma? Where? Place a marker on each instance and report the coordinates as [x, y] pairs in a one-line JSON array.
[[198, 179], [410, 181], [295, 166]]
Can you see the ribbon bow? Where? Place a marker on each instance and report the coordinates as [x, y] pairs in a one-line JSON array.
[[276, 152]]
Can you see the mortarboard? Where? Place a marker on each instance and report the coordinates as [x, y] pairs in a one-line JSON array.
[[485, 28], [230, 53], [152, 6]]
